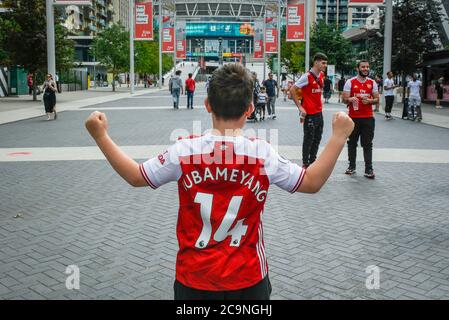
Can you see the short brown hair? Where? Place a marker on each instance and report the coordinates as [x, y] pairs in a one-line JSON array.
[[362, 61], [319, 56], [230, 91]]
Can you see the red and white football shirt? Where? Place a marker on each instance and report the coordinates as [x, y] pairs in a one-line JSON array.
[[222, 184], [360, 89], [311, 92]]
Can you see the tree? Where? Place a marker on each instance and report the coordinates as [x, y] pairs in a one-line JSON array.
[[24, 33], [328, 39], [147, 57], [415, 31], [111, 49]]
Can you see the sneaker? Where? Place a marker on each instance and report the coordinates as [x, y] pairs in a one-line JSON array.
[[273, 116], [350, 171], [370, 174]]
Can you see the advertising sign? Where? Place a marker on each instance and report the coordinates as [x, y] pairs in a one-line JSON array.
[[181, 40], [144, 20], [168, 35], [295, 20], [258, 39]]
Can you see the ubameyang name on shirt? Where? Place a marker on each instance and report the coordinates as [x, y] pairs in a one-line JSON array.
[[223, 174]]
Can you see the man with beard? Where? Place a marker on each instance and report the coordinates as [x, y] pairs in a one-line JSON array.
[[360, 93]]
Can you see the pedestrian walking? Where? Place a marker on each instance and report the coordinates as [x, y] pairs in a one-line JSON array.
[[256, 91], [190, 89], [389, 95], [262, 99], [176, 88], [311, 107], [341, 85], [222, 194], [327, 89], [273, 92], [30, 83], [414, 87], [284, 87], [58, 84], [439, 91], [361, 93], [379, 86], [49, 89]]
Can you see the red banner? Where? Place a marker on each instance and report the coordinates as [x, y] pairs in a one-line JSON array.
[[295, 20], [365, 2], [271, 40], [258, 49], [180, 49], [144, 20], [168, 40]]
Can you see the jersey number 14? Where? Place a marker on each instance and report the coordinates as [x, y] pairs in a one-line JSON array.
[[239, 230]]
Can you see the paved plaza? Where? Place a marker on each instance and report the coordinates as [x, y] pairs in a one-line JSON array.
[[62, 205]]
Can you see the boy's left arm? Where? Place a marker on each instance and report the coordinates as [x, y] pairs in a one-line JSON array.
[[127, 168]]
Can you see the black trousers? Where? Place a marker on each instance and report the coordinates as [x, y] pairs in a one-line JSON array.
[[363, 128], [389, 103], [260, 291], [313, 130]]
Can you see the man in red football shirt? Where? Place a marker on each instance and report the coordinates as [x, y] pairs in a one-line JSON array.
[[361, 93], [223, 180], [190, 90], [311, 106]]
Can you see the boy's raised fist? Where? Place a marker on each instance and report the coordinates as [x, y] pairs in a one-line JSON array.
[[342, 124], [97, 124]]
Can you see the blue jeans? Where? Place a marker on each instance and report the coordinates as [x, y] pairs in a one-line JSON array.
[[189, 99], [175, 94]]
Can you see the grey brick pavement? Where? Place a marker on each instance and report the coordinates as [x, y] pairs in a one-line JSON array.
[[123, 239], [318, 246]]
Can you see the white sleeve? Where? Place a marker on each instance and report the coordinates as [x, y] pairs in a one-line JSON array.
[[375, 87], [303, 81], [162, 169], [347, 87], [282, 172]]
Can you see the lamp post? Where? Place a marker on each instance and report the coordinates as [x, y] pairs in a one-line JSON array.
[[51, 60], [220, 51], [131, 45], [388, 36]]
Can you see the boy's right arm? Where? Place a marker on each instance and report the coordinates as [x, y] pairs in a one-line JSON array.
[[127, 168], [318, 173]]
